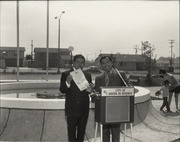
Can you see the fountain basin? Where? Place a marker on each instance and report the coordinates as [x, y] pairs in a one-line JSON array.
[[29, 101], [24, 117]]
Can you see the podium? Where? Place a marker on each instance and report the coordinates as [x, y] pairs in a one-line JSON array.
[[114, 105]]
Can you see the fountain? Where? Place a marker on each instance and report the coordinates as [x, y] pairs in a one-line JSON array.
[[34, 111]]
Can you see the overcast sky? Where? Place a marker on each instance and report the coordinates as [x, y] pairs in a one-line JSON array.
[[94, 27]]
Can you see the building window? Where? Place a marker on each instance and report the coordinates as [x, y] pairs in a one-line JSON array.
[[67, 61], [122, 63], [15, 53], [42, 54], [4, 53]]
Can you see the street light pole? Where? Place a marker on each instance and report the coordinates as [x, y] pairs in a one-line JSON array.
[[17, 14], [171, 46], [71, 48], [58, 46], [59, 18]]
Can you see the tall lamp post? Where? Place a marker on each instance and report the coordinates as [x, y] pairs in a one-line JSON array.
[[59, 18], [71, 48], [171, 61]]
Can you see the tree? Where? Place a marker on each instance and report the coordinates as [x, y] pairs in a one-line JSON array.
[[28, 57], [147, 51]]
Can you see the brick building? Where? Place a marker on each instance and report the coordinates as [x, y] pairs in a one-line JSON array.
[[164, 62], [8, 56], [128, 62], [40, 57]]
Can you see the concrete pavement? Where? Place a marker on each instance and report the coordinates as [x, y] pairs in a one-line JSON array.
[[150, 125]]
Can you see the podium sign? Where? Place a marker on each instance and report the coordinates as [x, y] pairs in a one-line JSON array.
[[114, 91], [115, 105]]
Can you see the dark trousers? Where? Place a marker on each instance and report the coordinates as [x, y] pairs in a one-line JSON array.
[[114, 129], [165, 103], [76, 128]]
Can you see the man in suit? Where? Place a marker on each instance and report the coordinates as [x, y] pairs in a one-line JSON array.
[[110, 78], [76, 101]]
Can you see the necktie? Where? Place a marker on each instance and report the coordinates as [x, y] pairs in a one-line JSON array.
[[107, 78]]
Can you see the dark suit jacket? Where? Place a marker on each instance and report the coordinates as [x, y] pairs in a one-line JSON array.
[[115, 80], [76, 101]]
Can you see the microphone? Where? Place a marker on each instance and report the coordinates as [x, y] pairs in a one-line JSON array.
[[121, 77]]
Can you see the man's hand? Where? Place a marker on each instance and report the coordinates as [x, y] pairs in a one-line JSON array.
[[90, 88], [94, 96], [69, 79]]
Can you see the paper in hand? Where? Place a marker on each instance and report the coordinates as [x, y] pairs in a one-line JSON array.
[[80, 79]]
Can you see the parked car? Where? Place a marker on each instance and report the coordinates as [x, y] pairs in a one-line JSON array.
[[92, 69]]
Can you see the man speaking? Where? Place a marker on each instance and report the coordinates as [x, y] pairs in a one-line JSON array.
[[110, 78]]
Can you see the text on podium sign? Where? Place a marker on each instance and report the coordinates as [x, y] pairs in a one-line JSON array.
[[117, 91]]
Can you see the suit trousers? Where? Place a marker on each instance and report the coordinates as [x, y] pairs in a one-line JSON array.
[[76, 128], [114, 129]]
